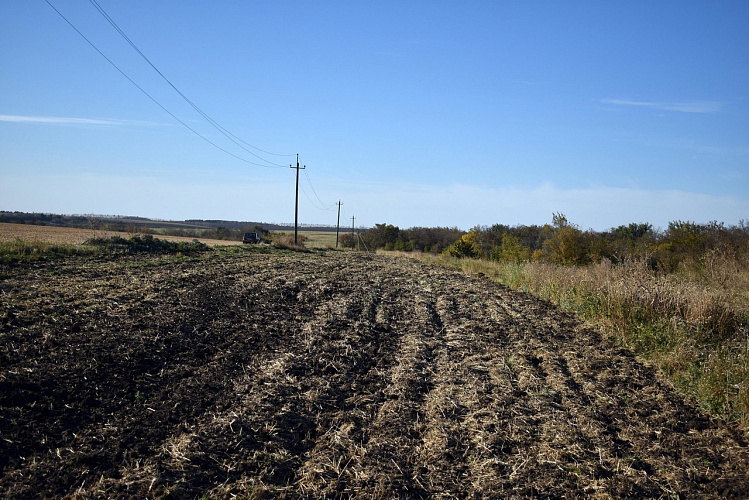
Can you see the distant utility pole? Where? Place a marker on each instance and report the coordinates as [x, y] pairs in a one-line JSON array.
[[353, 236], [296, 205], [338, 225]]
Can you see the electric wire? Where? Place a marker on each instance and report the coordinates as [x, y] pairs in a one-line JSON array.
[[326, 206], [210, 120], [312, 202], [309, 199], [153, 99]]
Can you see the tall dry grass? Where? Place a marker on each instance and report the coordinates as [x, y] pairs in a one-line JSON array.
[[286, 241], [692, 324]]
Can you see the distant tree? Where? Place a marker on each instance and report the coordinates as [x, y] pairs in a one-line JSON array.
[[686, 237], [559, 220], [484, 239], [626, 242], [633, 231], [512, 250], [381, 236], [531, 236], [223, 233], [568, 244], [463, 248]]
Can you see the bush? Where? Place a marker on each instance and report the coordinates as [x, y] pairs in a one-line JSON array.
[[462, 249], [346, 240]]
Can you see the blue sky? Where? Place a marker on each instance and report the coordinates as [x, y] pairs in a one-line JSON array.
[[413, 113]]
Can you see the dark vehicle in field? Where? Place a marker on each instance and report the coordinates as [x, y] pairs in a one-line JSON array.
[[251, 238]]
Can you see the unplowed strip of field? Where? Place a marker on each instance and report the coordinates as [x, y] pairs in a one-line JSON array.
[[324, 375]]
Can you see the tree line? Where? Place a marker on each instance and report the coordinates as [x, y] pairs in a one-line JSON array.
[[562, 242]]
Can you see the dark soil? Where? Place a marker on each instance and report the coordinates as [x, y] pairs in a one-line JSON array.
[[324, 375]]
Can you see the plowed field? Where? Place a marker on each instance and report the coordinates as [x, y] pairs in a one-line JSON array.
[[324, 375]]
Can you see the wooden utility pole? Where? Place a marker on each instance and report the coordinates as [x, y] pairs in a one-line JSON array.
[[296, 204], [338, 225], [353, 236]]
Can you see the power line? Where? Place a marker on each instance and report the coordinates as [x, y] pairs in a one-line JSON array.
[[312, 202], [154, 100], [322, 206], [210, 120], [326, 206]]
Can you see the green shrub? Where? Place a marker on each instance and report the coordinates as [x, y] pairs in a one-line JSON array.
[[462, 249]]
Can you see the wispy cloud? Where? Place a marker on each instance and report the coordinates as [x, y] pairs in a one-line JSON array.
[[682, 106], [62, 120]]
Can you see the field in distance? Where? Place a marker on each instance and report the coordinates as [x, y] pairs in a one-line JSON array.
[[315, 239], [76, 236]]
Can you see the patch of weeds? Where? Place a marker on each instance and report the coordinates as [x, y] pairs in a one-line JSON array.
[[286, 241], [147, 244], [33, 251]]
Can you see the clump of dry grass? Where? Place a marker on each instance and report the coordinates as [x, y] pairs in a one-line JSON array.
[[692, 324], [286, 240]]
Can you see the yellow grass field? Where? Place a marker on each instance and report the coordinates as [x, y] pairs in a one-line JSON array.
[[75, 236], [318, 239]]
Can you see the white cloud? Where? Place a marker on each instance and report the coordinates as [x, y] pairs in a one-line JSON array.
[[59, 120], [683, 106]]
